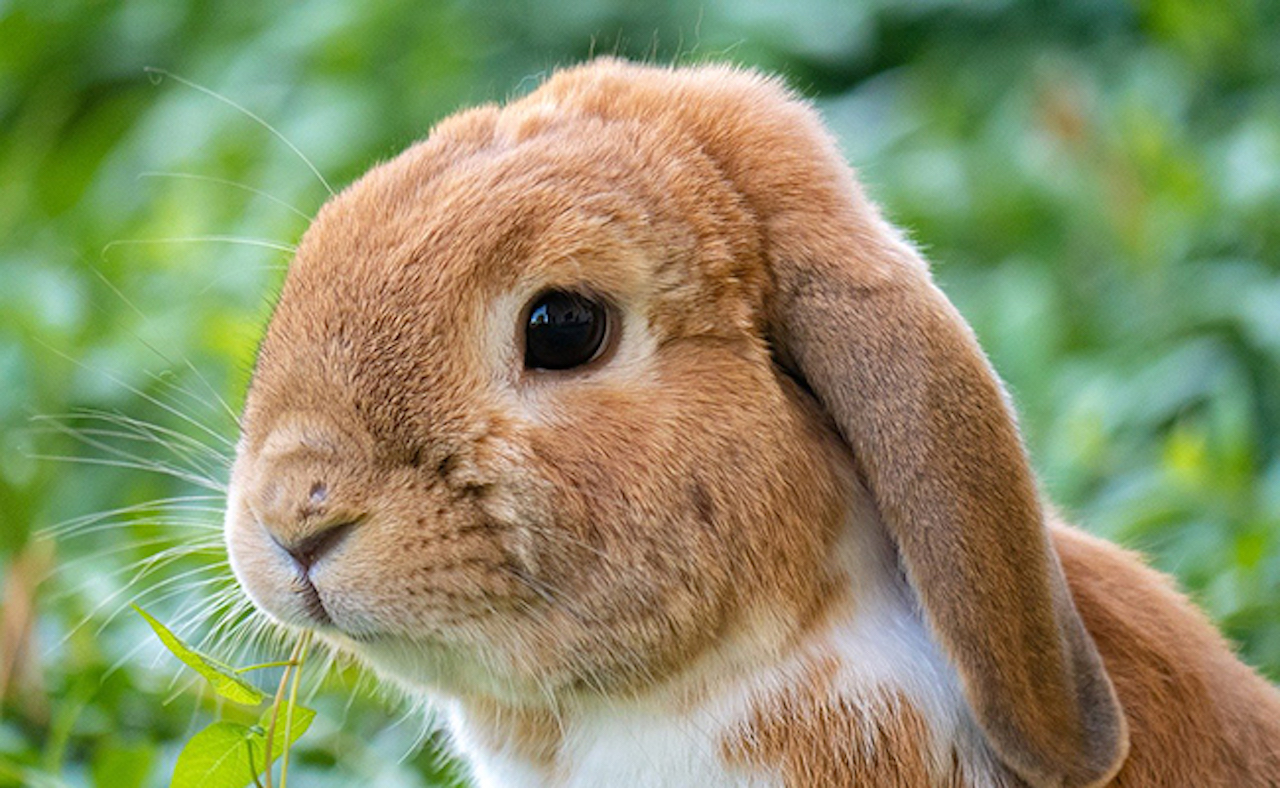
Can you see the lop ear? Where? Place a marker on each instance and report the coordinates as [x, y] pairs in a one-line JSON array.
[[854, 312], [926, 418]]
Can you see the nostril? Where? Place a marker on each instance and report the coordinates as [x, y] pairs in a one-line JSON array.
[[307, 551]]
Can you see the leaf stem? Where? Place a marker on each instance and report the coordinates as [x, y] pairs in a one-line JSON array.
[[249, 746]]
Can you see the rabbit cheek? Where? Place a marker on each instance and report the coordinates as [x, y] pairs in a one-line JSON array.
[[660, 550]]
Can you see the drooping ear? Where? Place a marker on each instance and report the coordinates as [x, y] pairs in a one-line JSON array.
[[855, 313], [927, 420]]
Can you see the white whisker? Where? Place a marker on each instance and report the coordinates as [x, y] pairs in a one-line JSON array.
[[137, 466], [141, 544], [148, 345], [152, 566], [192, 680], [177, 503], [213, 94], [144, 428], [231, 603], [198, 465], [193, 475], [166, 379], [125, 300], [168, 522], [195, 239], [191, 176], [154, 401], [151, 598]]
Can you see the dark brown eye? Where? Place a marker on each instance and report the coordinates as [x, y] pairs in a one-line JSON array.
[[565, 330]]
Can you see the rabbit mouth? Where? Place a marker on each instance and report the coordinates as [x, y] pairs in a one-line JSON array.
[[313, 603]]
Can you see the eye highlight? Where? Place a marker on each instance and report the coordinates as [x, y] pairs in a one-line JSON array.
[[564, 330]]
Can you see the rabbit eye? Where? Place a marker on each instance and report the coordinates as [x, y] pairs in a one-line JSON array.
[[564, 330]]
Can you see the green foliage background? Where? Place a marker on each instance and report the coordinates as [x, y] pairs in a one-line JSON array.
[[1096, 182]]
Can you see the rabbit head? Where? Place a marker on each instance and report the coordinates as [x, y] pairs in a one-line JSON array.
[[759, 350]]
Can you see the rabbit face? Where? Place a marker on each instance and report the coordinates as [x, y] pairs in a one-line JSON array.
[[567, 399], [408, 484]]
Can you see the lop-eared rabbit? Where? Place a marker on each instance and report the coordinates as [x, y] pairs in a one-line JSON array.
[[619, 422]]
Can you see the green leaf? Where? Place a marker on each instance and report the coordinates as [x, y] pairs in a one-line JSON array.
[[224, 680], [302, 717], [216, 757], [219, 756]]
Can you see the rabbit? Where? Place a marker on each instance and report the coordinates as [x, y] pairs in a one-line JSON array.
[[619, 423]]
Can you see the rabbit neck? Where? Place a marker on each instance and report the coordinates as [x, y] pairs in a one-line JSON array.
[[866, 686]]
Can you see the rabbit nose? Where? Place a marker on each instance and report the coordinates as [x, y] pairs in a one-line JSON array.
[[305, 504], [309, 549]]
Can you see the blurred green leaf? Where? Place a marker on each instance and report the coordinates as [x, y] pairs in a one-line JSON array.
[[1095, 184], [117, 765]]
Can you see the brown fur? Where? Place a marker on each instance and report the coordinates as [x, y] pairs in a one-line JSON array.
[[815, 737], [1197, 715], [532, 540], [532, 734]]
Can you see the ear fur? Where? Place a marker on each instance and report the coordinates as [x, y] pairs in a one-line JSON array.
[[855, 313]]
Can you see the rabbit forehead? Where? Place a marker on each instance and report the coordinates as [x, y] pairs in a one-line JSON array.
[[640, 217], [402, 279]]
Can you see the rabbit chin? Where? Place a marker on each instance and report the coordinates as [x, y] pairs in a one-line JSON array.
[[424, 669]]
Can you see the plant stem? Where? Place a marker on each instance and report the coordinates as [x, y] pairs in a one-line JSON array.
[[301, 651], [275, 705]]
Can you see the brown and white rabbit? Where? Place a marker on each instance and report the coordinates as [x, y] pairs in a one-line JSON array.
[[619, 422]]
